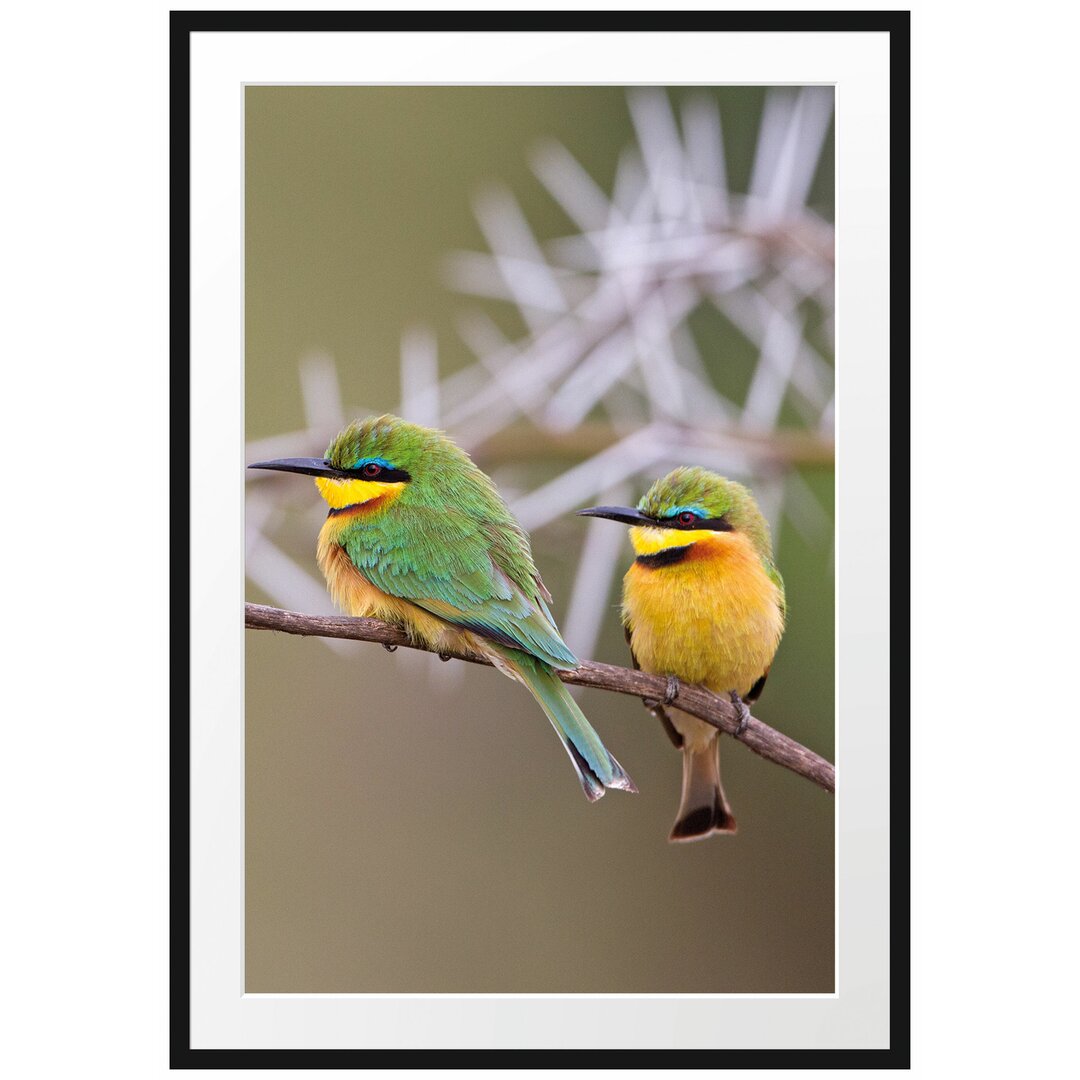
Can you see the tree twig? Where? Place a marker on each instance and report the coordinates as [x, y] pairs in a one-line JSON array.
[[718, 711]]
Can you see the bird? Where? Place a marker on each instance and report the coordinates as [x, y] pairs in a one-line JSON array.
[[704, 603], [417, 535]]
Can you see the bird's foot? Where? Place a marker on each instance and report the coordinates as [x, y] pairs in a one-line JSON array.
[[656, 709], [672, 691], [742, 710], [670, 694], [445, 657], [388, 647]]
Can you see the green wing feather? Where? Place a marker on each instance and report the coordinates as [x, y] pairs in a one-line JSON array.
[[472, 569]]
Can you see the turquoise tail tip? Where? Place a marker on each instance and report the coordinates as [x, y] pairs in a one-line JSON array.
[[595, 766], [593, 786]]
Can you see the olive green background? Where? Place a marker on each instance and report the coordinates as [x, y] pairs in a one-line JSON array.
[[409, 831]]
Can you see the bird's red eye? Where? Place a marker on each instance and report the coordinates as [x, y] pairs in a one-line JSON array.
[[687, 517], [371, 469]]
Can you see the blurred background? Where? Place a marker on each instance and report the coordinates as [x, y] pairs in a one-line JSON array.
[[584, 286]]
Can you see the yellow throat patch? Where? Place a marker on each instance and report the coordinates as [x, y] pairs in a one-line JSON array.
[[340, 493], [648, 540]]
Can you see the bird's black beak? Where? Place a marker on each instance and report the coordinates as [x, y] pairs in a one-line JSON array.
[[309, 466], [626, 514]]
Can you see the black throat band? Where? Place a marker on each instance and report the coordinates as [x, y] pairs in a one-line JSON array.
[[665, 557]]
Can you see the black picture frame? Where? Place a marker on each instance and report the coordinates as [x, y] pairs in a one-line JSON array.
[[182, 25]]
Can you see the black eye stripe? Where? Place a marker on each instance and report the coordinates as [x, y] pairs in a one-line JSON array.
[[383, 474], [719, 524]]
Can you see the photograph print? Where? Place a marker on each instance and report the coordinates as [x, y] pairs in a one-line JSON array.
[[541, 377]]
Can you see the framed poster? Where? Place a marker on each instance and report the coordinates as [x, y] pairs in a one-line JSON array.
[[611, 257]]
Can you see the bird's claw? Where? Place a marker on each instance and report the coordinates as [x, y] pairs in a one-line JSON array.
[[670, 694], [445, 657], [743, 711], [388, 647]]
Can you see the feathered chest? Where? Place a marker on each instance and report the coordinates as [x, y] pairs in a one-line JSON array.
[[712, 616], [354, 594]]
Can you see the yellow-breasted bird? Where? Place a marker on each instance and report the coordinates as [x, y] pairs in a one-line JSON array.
[[704, 603], [417, 535]]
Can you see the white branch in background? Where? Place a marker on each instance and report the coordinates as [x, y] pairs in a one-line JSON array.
[[321, 393], [279, 576], [779, 352], [814, 111], [261, 514], [590, 381], [573, 489], [705, 157], [599, 564], [518, 256], [571, 186], [662, 151], [419, 377]]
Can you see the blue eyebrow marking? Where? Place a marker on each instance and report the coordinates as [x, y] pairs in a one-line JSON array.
[[372, 461], [675, 511]]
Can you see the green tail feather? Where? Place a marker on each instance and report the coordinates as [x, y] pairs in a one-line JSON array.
[[595, 766]]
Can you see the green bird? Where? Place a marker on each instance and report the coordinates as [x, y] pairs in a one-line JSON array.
[[417, 535]]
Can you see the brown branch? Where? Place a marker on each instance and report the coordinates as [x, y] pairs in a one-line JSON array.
[[718, 711]]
